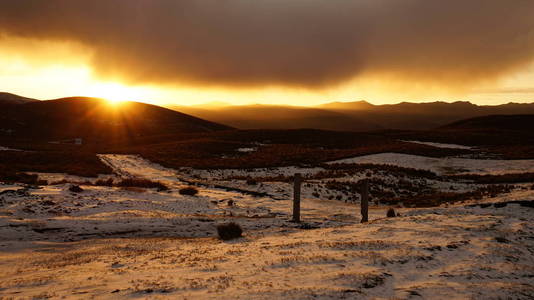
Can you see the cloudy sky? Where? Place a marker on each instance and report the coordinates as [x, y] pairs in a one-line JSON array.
[[300, 52]]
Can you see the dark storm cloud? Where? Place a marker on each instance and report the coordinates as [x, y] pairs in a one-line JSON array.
[[308, 43]]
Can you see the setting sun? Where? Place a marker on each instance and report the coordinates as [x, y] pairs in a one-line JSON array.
[[113, 92]]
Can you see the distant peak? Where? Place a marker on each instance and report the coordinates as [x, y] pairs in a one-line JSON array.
[[352, 105], [213, 104]]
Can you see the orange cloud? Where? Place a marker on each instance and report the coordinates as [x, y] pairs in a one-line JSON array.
[[297, 43]]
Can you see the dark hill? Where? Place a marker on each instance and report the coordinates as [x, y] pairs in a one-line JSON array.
[[495, 122], [425, 116], [96, 120], [279, 117], [511, 136], [12, 99]]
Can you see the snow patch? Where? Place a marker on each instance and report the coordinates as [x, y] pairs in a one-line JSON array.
[[246, 150], [447, 165], [8, 149], [441, 145]]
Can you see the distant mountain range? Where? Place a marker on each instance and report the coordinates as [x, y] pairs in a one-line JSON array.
[[353, 116], [279, 117], [88, 116]]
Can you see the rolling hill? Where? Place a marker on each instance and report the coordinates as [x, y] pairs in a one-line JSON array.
[[96, 120], [10, 99], [521, 123]]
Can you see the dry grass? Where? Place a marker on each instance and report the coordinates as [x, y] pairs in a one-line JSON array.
[[142, 183], [279, 148], [299, 259], [72, 162], [359, 245], [438, 198], [495, 179]]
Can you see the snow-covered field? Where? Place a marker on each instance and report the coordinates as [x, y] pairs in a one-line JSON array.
[[447, 165], [110, 242]]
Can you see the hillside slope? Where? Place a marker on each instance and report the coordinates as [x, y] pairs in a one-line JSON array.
[[96, 120], [11, 99], [523, 123], [279, 117]]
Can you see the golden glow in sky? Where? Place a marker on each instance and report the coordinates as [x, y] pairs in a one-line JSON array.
[[63, 69]]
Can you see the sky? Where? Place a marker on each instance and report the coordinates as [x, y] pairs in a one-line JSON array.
[[297, 52]]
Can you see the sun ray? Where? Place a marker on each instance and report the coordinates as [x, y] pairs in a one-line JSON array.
[[113, 92]]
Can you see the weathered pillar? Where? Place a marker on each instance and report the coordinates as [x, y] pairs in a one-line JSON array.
[[296, 197], [365, 201]]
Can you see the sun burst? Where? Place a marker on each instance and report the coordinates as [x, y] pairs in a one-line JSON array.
[[114, 93]]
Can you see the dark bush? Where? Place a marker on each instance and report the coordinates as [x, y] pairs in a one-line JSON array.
[[438, 198], [75, 189], [62, 181], [391, 213], [252, 181], [494, 179], [229, 231], [104, 182], [189, 191], [142, 183], [25, 178]]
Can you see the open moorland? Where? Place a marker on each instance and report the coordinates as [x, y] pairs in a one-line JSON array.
[[450, 211]]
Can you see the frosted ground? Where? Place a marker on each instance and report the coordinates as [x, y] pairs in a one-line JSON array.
[[109, 243]]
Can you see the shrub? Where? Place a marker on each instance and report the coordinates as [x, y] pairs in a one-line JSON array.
[[142, 183], [62, 181], [189, 191], [494, 179], [21, 178], [104, 182], [391, 213], [438, 198], [75, 189], [252, 181], [229, 231]]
